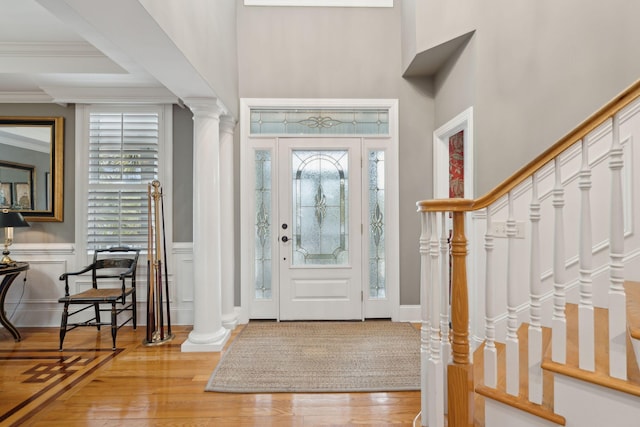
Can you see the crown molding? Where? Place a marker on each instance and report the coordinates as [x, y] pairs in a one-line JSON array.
[[48, 49], [26, 97], [54, 58], [91, 95], [109, 95]]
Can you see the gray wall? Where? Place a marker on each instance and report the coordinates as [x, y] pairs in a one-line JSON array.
[[182, 175], [535, 70], [311, 52], [417, 110], [454, 85]]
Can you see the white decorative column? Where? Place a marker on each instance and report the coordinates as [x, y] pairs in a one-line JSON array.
[[208, 334], [227, 231]]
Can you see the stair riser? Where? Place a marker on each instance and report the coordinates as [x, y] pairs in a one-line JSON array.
[[636, 349], [588, 405], [497, 414]]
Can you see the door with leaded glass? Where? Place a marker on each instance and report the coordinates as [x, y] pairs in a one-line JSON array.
[[320, 238], [319, 209]]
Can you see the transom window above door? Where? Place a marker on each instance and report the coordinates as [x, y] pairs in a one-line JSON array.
[[268, 121], [323, 3]]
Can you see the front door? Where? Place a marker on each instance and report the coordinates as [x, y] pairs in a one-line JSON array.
[[319, 227]]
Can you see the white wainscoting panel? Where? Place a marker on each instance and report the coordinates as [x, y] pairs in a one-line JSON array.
[[34, 302], [182, 310]]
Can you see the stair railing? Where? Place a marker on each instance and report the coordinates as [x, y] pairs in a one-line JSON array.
[[534, 207]]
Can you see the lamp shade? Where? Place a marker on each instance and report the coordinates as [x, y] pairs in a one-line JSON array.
[[12, 219]]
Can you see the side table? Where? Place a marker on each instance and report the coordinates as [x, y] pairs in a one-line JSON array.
[[10, 273]]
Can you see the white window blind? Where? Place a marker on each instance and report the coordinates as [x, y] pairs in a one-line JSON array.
[[123, 160]]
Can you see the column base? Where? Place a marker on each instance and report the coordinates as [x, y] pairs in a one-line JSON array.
[[199, 342], [230, 321]]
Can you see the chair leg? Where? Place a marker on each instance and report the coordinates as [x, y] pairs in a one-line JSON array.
[[96, 307], [114, 324], [63, 324], [134, 308]]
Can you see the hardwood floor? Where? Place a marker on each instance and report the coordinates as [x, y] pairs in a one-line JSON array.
[[158, 386]]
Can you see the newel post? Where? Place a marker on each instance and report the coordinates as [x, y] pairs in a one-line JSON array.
[[460, 372]]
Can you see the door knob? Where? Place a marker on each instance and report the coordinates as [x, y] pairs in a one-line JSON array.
[[285, 239]]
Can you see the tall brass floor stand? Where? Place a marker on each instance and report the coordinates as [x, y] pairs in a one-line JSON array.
[[157, 333]]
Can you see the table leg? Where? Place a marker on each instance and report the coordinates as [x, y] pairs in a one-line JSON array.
[[4, 288]]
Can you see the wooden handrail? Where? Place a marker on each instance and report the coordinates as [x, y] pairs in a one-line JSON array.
[[595, 120]]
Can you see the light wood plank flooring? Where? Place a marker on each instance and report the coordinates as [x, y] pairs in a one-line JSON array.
[[160, 386]]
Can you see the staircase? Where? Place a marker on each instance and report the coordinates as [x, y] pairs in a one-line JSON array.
[[546, 331]]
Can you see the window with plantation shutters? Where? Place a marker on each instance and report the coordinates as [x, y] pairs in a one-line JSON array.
[[123, 160]]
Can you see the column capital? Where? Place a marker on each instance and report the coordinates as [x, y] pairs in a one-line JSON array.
[[227, 124], [203, 107]]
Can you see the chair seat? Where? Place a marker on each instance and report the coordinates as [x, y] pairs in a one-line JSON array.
[[102, 294]]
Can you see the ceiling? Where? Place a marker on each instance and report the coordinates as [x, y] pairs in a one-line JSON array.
[[44, 58]]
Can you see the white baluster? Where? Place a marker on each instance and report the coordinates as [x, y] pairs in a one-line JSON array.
[[445, 347], [559, 320], [435, 386], [513, 353], [617, 297], [425, 277], [535, 295], [586, 351], [490, 353]]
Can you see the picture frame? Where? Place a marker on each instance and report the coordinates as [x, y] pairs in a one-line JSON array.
[[29, 163], [23, 196], [6, 195], [18, 180], [47, 184]]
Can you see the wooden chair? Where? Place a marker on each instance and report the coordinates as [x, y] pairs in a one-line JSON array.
[[108, 264]]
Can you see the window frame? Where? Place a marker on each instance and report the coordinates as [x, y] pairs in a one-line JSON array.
[[320, 3], [165, 167]]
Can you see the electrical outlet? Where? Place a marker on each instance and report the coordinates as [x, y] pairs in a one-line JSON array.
[[499, 229]]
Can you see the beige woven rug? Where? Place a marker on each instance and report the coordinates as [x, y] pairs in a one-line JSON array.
[[271, 357]]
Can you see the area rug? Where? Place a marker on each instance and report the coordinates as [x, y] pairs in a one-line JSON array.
[[307, 357]]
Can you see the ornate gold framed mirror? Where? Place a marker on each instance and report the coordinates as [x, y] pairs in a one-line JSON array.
[[32, 167]]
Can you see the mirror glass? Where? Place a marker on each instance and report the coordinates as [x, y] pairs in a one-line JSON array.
[[31, 166]]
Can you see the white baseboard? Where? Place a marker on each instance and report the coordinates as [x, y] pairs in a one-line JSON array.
[[408, 313]]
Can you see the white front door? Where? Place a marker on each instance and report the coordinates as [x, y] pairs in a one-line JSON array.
[[323, 175], [319, 228]]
